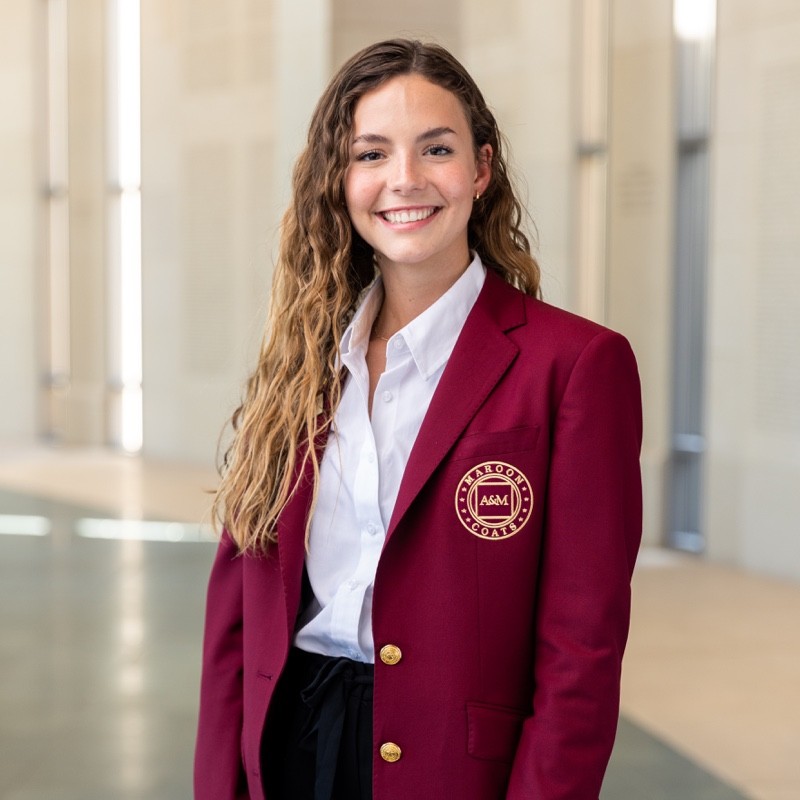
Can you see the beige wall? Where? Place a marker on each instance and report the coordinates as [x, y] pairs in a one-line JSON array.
[[641, 177], [79, 407], [20, 125], [753, 404], [357, 23], [301, 46], [86, 397], [520, 54], [210, 124]]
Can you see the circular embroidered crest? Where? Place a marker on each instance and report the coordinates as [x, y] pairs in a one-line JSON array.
[[494, 500]]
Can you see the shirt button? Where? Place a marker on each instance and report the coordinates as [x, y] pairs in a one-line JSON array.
[[390, 752], [387, 397], [398, 343], [371, 458], [352, 585], [372, 528]]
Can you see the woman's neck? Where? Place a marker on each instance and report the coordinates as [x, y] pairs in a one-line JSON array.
[[408, 292]]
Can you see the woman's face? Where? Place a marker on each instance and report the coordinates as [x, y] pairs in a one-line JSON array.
[[413, 175]]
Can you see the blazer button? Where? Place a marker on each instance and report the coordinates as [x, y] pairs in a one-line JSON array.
[[390, 752], [390, 654]]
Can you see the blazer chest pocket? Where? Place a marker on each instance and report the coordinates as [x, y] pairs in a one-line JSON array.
[[493, 731], [495, 444]]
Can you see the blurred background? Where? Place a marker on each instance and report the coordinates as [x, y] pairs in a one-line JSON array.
[[146, 153]]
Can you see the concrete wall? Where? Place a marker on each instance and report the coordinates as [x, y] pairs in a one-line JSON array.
[[20, 143], [640, 224], [210, 123], [86, 396], [357, 23], [520, 54], [753, 408]]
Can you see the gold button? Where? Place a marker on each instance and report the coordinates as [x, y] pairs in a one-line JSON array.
[[390, 752], [391, 654]]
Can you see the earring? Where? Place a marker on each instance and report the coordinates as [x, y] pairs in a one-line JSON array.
[[477, 196]]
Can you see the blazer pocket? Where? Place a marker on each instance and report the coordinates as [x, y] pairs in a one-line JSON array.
[[496, 443], [493, 731]]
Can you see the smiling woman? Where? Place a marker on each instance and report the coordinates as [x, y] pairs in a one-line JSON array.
[[432, 504]]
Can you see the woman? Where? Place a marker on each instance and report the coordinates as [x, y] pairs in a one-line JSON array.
[[432, 503]]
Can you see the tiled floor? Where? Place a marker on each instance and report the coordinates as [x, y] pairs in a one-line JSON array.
[[713, 668], [101, 626]]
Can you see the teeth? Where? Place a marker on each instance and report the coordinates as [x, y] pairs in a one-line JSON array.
[[408, 216]]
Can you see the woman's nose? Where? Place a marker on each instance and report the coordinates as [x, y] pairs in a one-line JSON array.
[[407, 174]]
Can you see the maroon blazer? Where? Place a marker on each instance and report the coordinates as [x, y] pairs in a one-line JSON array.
[[504, 580]]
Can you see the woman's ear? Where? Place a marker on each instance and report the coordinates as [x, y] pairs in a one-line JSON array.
[[484, 169]]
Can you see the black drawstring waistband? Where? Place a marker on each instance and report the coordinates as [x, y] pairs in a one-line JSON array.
[[337, 685]]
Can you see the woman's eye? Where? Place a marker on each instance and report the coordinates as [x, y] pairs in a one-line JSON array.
[[439, 150], [370, 155]]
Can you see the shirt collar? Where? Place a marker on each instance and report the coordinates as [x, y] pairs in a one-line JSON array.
[[355, 339], [432, 335]]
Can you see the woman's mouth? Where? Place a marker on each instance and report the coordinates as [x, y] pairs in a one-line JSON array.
[[407, 215]]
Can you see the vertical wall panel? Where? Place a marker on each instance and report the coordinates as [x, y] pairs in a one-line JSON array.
[[357, 23], [86, 399], [753, 404], [778, 295], [521, 56], [21, 88], [209, 103], [591, 48], [207, 243], [641, 231]]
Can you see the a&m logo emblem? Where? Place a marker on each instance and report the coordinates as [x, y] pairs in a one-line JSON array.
[[494, 500]]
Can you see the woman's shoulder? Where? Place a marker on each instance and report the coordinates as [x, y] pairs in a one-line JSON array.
[[544, 326], [543, 314]]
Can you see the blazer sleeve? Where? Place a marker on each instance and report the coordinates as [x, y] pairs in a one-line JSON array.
[[218, 769], [593, 524]]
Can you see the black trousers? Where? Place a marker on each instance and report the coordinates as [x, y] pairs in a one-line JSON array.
[[318, 739]]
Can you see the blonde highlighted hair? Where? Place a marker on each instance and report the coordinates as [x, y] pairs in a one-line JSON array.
[[323, 266]]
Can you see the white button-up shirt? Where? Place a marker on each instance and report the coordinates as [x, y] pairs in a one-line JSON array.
[[364, 461]]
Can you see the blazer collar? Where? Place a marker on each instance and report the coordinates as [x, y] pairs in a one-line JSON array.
[[481, 356]]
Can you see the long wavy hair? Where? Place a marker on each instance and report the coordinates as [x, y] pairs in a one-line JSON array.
[[322, 268]]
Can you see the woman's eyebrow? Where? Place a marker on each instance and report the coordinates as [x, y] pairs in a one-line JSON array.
[[435, 133], [377, 138], [371, 138]]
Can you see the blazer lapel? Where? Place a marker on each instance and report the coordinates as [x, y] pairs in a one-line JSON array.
[[480, 358]]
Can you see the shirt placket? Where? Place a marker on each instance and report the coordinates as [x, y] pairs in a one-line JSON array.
[[349, 599], [386, 418]]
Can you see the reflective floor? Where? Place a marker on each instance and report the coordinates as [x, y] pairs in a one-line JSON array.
[[100, 651], [99, 661]]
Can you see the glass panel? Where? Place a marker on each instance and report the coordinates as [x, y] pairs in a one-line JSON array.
[[695, 31]]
